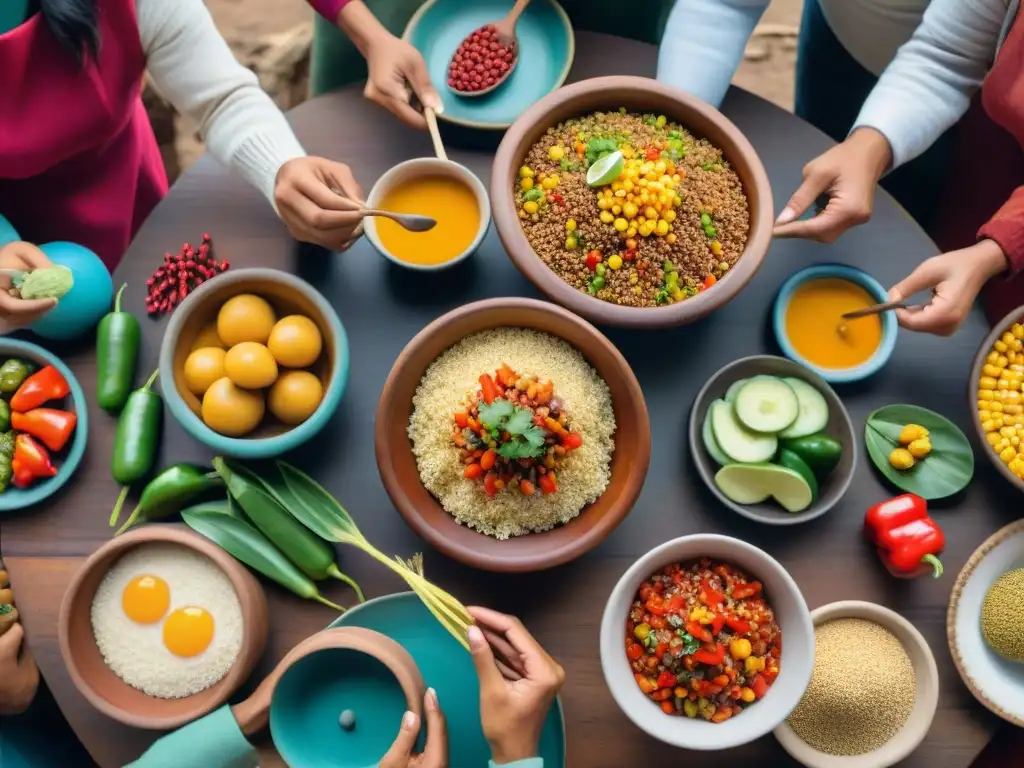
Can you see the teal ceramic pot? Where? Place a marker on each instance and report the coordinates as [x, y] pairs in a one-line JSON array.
[[78, 312], [546, 42], [8, 234]]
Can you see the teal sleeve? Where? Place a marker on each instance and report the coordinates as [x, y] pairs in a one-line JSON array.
[[703, 45], [533, 762], [214, 741]]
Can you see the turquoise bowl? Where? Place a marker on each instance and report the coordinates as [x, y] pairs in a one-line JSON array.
[[853, 275], [8, 234], [287, 294], [78, 312], [544, 31], [67, 461], [447, 668]]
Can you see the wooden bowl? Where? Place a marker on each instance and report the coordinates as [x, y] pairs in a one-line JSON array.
[[288, 295], [105, 690], [536, 551], [1016, 316], [641, 95]]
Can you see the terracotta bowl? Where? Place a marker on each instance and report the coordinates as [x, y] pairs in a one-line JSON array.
[[536, 551], [642, 95], [1016, 316], [105, 690], [288, 295]]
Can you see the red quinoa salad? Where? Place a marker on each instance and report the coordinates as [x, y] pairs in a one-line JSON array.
[[702, 641], [632, 208]]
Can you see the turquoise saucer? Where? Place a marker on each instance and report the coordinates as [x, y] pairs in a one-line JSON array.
[[446, 667], [546, 42]]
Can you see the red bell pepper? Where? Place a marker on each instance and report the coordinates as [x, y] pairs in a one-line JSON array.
[[40, 388], [51, 426], [759, 686], [667, 680], [698, 631], [712, 658], [738, 625], [31, 461], [676, 604], [908, 541], [709, 596], [740, 591], [656, 604], [717, 622]]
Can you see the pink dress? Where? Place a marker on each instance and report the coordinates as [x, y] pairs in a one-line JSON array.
[[78, 158]]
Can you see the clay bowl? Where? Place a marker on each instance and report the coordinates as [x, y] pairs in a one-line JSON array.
[[288, 295], [636, 94], [831, 488], [536, 551], [105, 690], [998, 329]]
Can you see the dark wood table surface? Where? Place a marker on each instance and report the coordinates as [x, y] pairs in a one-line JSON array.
[[383, 307]]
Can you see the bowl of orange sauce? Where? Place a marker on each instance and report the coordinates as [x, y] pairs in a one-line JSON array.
[[810, 329], [443, 190]]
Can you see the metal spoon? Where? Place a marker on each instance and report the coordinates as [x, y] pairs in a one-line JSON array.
[[506, 29], [413, 222]]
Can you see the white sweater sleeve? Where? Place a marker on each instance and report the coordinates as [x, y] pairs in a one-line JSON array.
[[703, 44], [929, 85], [194, 69]]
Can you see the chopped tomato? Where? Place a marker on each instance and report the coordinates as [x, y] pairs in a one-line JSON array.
[[653, 153], [723, 714], [759, 686], [741, 591], [737, 625], [527, 487], [491, 484], [572, 441], [547, 483], [676, 603], [472, 471], [660, 649], [711, 658], [709, 281], [592, 260], [461, 419], [667, 680], [699, 632], [668, 707], [657, 622], [646, 590], [634, 651], [489, 389], [656, 604], [710, 596]]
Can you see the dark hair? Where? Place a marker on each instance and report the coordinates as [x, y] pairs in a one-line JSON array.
[[75, 25]]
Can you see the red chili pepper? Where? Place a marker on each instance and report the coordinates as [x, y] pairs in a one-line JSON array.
[[667, 680], [909, 542], [699, 632], [488, 388], [51, 426], [31, 461], [40, 388], [712, 658], [709, 596], [741, 591], [738, 625]]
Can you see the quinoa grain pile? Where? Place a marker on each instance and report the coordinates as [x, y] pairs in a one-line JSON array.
[[670, 225], [1002, 615], [862, 689]]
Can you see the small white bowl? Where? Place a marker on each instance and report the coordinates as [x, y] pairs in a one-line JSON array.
[[994, 681], [415, 169], [795, 665], [908, 738]]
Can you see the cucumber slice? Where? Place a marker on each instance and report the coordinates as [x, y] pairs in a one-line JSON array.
[[736, 386], [813, 416], [790, 460], [766, 404], [708, 434], [754, 483], [736, 441]]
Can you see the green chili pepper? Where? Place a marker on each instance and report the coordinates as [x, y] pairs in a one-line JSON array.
[[171, 490], [5, 416], [135, 440], [12, 373], [6, 457], [117, 350]]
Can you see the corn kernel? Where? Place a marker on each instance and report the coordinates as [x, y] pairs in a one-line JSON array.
[[621, 225], [739, 648], [1007, 338], [526, 183], [631, 232], [526, 172], [670, 238], [1007, 454], [1001, 346], [747, 695], [556, 153], [604, 204], [607, 217], [571, 225], [620, 193], [616, 209], [992, 438], [615, 261], [669, 215], [530, 206], [629, 209], [990, 370], [571, 243], [987, 382], [716, 248], [662, 228], [984, 415]]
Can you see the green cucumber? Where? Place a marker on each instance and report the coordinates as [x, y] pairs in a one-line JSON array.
[[821, 452], [755, 483], [736, 386], [766, 404], [736, 441], [790, 460], [813, 414], [708, 434]]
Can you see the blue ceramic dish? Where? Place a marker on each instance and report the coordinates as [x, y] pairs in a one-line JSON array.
[[842, 272], [439, 26], [448, 668], [67, 461]]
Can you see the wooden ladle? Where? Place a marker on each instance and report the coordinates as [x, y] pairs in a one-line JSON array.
[[874, 309], [506, 29]]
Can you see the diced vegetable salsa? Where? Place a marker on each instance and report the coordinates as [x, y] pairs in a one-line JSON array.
[[702, 641]]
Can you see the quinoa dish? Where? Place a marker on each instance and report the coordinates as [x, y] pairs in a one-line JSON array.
[[512, 431], [702, 641], [631, 208]]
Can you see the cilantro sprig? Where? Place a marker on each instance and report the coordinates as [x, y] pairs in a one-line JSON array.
[[526, 440]]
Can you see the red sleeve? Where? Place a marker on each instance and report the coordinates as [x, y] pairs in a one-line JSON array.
[[1007, 229], [329, 9]]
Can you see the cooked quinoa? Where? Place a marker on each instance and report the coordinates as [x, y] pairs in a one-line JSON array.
[[594, 239], [1002, 615], [446, 387]]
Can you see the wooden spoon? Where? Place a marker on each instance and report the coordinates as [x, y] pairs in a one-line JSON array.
[[435, 133], [875, 309], [506, 29]]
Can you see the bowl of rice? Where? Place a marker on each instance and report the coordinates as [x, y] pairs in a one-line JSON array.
[[512, 435], [631, 203], [161, 626]]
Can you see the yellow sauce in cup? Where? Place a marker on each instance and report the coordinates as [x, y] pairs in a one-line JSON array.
[[443, 198], [814, 320]]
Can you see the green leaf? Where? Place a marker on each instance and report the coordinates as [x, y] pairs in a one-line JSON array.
[[690, 643], [316, 509], [520, 421], [494, 414], [534, 436], [945, 471]]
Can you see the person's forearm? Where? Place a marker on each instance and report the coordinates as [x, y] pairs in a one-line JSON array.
[[359, 24], [1006, 229], [329, 9]]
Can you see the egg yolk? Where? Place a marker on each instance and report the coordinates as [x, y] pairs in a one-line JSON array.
[[188, 631], [146, 599]]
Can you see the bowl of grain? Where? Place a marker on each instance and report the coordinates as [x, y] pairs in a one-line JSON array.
[[631, 203], [160, 626], [512, 435], [873, 692]]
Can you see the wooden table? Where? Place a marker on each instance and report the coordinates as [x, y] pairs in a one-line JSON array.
[[383, 307]]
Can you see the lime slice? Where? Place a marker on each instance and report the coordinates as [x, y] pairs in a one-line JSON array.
[[605, 170]]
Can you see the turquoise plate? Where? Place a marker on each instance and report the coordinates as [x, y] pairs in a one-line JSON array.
[[447, 668], [67, 461], [545, 39]]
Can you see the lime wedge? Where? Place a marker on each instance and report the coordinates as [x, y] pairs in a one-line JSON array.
[[605, 170]]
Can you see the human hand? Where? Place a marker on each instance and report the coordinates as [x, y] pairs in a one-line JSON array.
[[18, 679], [392, 63], [955, 279], [847, 173], [435, 755], [512, 711], [16, 312], [319, 201]]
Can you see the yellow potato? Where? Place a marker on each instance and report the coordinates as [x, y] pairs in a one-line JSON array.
[[203, 367], [295, 342], [245, 317], [250, 365], [231, 410], [208, 338], [295, 396]]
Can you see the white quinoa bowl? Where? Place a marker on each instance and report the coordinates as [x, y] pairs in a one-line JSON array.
[[926, 675], [781, 593]]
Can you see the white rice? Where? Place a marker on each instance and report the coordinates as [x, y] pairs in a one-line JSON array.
[[136, 652], [447, 386]]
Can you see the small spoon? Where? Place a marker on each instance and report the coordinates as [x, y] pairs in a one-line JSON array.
[[413, 222], [875, 309], [506, 29]]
